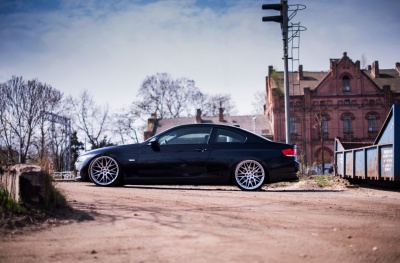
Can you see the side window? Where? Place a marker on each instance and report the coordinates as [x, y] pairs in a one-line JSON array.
[[227, 136], [186, 135]]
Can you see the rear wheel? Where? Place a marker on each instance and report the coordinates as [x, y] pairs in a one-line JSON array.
[[104, 171], [249, 175]]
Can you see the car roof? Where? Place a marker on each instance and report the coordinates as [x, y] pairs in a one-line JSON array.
[[214, 125]]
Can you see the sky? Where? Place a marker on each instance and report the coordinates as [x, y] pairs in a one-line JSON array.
[[109, 47]]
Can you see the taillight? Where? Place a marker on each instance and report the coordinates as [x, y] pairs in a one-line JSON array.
[[289, 152]]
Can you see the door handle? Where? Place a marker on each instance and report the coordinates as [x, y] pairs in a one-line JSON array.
[[200, 150]]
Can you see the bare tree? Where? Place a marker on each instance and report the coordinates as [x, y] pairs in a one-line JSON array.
[[91, 119], [22, 107], [215, 102], [259, 102], [170, 98], [180, 97], [166, 97], [364, 61], [153, 92], [124, 127], [200, 100]]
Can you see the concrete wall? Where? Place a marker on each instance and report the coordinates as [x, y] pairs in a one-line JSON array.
[[25, 183]]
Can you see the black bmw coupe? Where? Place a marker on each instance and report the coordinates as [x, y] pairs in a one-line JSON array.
[[196, 154]]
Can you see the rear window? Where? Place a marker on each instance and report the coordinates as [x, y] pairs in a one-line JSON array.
[[227, 136]]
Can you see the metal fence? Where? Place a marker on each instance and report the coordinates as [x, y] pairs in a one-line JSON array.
[[68, 175]]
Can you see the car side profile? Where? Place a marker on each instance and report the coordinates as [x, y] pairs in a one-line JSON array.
[[196, 154]]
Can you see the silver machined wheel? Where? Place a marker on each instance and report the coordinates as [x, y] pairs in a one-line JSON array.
[[104, 171], [249, 175]]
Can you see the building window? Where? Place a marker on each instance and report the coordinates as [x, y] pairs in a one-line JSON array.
[[293, 128], [346, 83], [347, 128], [372, 127], [324, 124]]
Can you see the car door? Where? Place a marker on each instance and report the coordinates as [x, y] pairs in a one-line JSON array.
[[178, 153], [226, 148]]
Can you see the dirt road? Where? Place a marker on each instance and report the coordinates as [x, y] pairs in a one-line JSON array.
[[217, 224]]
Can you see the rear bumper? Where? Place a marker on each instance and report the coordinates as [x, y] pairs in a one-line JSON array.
[[286, 173]]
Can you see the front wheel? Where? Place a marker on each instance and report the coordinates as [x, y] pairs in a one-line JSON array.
[[249, 175], [104, 171]]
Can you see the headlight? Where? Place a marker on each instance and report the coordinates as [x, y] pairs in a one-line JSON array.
[[84, 157]]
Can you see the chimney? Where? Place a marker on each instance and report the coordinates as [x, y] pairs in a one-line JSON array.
[[270, 70], [375, 69], [358, 68], [301, 75], [333, 68], [198, 116], [221, 114], [344, 54], [398, 67], [147, 134], [150, 126]]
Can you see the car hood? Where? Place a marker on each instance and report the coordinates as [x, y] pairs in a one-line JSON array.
[[112, 149]]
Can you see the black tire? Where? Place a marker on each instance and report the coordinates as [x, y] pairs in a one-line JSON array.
[[105, 171], [249, 175]]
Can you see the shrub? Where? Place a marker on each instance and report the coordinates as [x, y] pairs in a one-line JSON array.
[[323, 180], [53, 197], [7, 203]]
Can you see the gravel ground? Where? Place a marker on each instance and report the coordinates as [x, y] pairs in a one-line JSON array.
[[287, 222]]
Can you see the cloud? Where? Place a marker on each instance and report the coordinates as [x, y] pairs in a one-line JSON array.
[[109, 47], [110, 53], [357, 27]]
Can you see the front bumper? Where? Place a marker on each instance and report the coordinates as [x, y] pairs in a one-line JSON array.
[[80, 172]]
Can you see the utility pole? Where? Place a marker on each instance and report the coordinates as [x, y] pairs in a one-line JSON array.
[[54, 118], [321, 120], [283, 20]]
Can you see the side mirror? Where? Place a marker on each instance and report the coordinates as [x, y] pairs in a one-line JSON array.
[[154, 144]]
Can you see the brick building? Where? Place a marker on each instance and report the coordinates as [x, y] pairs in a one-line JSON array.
[[345, 101]]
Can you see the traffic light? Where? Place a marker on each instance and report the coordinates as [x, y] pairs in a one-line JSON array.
[[277, 7], [282, 7]]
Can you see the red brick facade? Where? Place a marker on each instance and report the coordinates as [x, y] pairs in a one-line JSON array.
[[346, 101]]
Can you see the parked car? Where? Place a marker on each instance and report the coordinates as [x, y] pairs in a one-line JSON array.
[[196, 154]]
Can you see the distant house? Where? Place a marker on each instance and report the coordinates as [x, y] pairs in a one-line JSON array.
[[257, 124], [345, 101]]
